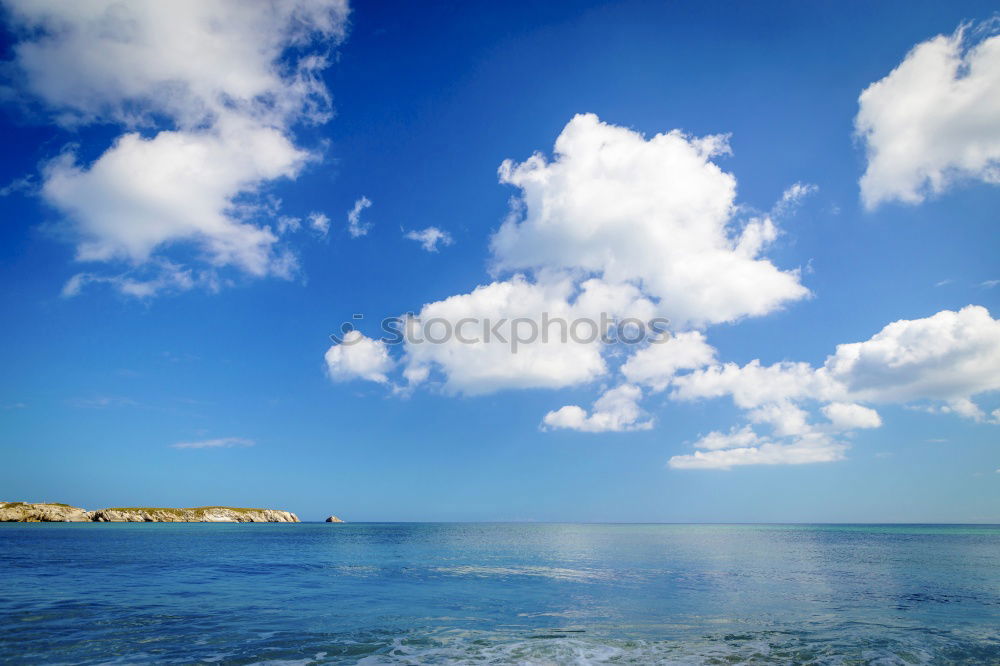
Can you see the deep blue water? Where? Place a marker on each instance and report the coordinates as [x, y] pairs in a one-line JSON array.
[[498, 593]]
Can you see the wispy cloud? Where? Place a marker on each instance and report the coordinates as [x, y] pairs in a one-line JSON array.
[[220, 443], [320, 223], [989, 284], [792, 198], [355, 226], [430, 237], [25, 184], [103, 402]]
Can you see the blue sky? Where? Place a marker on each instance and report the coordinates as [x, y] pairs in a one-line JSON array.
[[202, 315]]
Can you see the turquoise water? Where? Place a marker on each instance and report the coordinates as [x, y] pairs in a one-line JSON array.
[[498, 593]]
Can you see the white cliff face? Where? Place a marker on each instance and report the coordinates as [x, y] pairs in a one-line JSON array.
[[26, 512], [204, 514]]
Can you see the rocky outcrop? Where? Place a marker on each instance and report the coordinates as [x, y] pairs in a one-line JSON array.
[[334, 519], [201, 514], [33, 513], [41, 512]]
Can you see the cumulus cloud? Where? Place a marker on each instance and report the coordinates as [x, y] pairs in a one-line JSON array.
[[655, 365], [785, 418], [430, 237], [516, 335], [814, 448], [145, 193], [946, 357], [220, 443], [355, 227], [619, 225], [753, 384], [941, 362], [849, 416], [933, 120], [614, 224], [734, 439], [656, 212], [359, 357], [227, 79], [617, 410]]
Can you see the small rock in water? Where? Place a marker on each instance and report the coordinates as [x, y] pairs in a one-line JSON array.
[[334, 519]]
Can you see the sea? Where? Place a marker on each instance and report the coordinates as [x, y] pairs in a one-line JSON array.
[[498, 593]]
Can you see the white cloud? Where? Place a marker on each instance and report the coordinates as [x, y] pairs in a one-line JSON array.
[[620, 225], [989, 284], [616, 224], [359, 357], [229, 79], [142, 283], [811, 449], [430, 237], [143, 194], [796, 443], [24, 184], [319, 223], [754, 385], [848, 416], [509, 355], [792, 198], [617, 410], [316, 221], [945, 359], [655, 365], [785, 418], [656, 212], [934, 120], [97, 59], [963, 407], [734, 439], [355, 227], [221, 443], [287, 224]]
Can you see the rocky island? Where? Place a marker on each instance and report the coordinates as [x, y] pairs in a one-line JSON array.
[[45, 512]]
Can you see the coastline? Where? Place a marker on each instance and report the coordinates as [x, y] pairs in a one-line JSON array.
[[54, 512]]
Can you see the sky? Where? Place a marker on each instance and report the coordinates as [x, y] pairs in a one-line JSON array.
[[794, 204]]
